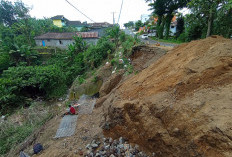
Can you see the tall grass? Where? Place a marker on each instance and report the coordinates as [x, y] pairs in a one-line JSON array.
[[14, 132]]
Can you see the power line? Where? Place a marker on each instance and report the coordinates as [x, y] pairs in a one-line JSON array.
[[120, 12], [79, 11]]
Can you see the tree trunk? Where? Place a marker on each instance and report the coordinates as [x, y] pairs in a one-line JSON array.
[[167, 25], [162, 30], [160, 26], [210, 23]]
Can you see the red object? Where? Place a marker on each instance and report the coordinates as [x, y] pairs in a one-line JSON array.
[[72, 110]]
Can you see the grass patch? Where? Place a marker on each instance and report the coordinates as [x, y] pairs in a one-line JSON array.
[[170, 40], [21, 125]]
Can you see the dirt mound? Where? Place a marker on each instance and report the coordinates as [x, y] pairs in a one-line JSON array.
[[142, 56], [180, 105]]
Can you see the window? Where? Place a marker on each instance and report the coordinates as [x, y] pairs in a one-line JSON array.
[[60, 42]]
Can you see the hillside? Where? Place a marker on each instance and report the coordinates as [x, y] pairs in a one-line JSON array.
[[176, 104], [179, 105]]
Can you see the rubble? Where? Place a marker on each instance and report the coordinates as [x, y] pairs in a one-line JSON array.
[[114, 148]]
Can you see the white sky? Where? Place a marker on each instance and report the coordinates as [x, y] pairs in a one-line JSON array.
[[98, 10]]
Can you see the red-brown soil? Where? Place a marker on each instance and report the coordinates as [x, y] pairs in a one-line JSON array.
[[180, 105]]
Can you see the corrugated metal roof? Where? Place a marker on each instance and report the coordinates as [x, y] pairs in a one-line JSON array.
[[88, 34], [100, 24], [67, 36]]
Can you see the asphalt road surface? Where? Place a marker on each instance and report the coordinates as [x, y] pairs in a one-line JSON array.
[[149, 41]]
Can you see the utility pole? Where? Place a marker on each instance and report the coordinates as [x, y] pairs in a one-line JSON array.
[[113, 17]]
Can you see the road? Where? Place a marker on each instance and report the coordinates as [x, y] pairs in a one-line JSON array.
[[150, 41]]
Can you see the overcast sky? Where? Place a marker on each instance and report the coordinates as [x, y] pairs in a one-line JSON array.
[[97, 10]]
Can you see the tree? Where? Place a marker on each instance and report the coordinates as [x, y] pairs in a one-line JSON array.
[[114, 33], [158, 7], [165, 10], [11, 13], [138, 24], [180, 25], [222, 23], [129, 24], [207, 9]]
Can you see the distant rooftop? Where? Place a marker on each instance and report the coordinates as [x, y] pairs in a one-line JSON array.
[[76, 23], [58, 17], [67, 36], [100, 24]]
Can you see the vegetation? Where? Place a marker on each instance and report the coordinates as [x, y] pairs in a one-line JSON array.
[[169, 40], [130, 24], [26, 75], [206, 17], [138, 24], [28, 72], [14, 132]]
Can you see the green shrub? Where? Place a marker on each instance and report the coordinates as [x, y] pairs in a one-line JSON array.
[[182, 37], [4, 61], [81, 79], [97, 53], [20, 83]]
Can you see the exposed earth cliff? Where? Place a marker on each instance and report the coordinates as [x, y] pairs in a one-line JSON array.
[[180, 105]]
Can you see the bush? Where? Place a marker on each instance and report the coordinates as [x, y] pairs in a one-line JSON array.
[[97, 53], [182, 37], [4, 61], [20, 83]]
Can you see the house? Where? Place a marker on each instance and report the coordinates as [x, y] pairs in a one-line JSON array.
[[99, 27], [77, 24], [153, 21], [61, 21], [173, 26], [62, 40]]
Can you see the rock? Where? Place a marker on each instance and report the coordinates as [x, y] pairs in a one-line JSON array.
[[176, 130], [94, 145], [112, 155], [120, 146], [103, 152], [110, 140], [88, 146], [126, 146], [91, 154], [121, 140], [107, 147]]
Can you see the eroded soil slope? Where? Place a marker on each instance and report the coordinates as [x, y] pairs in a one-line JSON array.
[[179, 106], [88, 125]]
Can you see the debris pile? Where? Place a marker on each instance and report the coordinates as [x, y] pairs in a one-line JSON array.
[[113, 148]]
